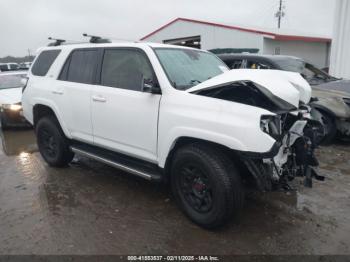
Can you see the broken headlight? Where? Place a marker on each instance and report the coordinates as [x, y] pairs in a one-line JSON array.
[[271, 125]]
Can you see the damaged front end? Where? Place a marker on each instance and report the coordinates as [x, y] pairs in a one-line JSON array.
[[296, 134], [290, 124]]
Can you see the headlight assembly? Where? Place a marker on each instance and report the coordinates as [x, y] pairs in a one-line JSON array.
[[271, 125], [12, 107]]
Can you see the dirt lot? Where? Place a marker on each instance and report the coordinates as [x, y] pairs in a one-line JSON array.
[[90, 208]]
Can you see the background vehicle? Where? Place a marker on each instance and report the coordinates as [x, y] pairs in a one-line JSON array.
[[8, 67], [333, 94], [10, 99], [172, 113], [24, 65]]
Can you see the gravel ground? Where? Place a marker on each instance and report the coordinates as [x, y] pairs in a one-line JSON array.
[[90, 208]]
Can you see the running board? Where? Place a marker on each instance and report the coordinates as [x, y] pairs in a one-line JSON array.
[[125, 163]]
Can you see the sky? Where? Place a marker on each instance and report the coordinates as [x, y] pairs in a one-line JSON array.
[[26, 24]]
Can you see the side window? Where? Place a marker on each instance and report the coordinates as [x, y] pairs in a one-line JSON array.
[[236, 64], [44, 62], [126, 69], [251, 64], [81, 67]]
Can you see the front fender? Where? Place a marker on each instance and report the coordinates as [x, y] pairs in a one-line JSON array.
[[233, 125], [333, 106], [53, 107], [218, 138]]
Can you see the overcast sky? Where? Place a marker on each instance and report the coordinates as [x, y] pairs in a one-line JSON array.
[[26, 24]]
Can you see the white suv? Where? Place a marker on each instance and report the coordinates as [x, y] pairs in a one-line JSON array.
[[172, 113]]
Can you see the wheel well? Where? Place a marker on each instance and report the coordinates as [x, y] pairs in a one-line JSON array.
[[39, 111], [232, 154], [324, 110]]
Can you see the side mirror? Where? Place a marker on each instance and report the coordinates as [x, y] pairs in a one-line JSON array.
[[149, 86]]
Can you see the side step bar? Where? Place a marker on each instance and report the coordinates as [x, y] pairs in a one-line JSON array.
[[118, 161]]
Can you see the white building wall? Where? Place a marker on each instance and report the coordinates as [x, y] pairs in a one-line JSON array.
[[340, 57], [211, 36], [313, 52]]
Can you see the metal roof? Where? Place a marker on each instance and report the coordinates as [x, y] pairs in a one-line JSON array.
[[272, 35]]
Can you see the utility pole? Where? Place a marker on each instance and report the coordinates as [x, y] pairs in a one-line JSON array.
[[280, 13]]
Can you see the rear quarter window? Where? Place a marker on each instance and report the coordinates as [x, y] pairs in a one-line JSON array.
[[44, 62]]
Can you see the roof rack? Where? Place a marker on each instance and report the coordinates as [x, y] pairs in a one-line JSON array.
[[97, 39], [57, 41]]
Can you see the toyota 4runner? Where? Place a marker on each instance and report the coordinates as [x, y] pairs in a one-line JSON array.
[[172, 113]]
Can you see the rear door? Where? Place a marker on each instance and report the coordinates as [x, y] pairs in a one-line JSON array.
[[125, 119], [74, 91]]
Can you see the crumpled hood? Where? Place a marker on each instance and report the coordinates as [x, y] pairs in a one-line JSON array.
[[10, 96], [290, 87]]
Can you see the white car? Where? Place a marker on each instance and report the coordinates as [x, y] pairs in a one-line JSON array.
[[11, 85], [8, 66], [172, 113]]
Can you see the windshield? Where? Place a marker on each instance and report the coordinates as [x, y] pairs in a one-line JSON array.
[[10, 81], [311, 73], [186, 68]]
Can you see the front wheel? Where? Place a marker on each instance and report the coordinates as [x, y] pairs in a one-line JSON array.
[[206, 185], [52, 143], [330, 128]]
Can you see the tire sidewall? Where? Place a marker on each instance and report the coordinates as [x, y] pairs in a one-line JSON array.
[[50, 126], [218, 194], [331, 129]]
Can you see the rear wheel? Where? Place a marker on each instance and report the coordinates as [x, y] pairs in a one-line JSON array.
[[52, 143], [206, 185]]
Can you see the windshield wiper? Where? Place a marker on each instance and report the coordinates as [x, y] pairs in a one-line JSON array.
[[195, 81]]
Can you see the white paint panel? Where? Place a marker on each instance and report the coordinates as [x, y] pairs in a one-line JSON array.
[[340, 62], [211, 36]]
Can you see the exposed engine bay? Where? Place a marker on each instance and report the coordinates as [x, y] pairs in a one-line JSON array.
[[295, 131]]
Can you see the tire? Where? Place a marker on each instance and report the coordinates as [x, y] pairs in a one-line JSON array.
[[52, 143], [206, 185], [330, 128]]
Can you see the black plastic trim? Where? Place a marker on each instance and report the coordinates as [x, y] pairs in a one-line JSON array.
[[265, 155]]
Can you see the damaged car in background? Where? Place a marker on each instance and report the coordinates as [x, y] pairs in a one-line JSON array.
[[330, 95], [174, 114]]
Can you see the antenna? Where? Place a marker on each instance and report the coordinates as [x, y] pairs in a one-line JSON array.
[[97, 39], [280, 13], [57, 41]]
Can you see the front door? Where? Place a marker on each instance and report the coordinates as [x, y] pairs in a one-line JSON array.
[[124, 118]]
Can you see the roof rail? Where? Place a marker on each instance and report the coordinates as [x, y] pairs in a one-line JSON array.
[[97, 39], [57, 41]]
